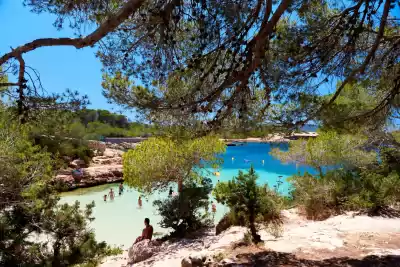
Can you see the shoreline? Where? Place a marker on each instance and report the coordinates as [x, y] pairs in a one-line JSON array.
[[272, 138], [107, 167]]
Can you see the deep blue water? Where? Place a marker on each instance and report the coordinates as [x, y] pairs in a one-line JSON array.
[[257, 154]]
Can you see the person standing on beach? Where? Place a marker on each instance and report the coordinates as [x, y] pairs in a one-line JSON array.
[[111, 194], [140, 202]]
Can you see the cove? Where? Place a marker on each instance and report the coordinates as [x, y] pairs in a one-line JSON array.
[[119, 222]]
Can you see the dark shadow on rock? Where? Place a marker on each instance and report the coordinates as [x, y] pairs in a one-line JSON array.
[[275, 259]]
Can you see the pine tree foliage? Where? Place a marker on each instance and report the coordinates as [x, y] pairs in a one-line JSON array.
[[245, 197], [158, 162], [34, 229], [235, 59]]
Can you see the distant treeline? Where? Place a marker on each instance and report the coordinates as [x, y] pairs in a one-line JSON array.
[[95, 124]]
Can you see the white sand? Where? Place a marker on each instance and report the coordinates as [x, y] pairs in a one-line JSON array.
[[299, 235]]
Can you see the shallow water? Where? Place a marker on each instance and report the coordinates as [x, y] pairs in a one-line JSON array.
[[119, 222]]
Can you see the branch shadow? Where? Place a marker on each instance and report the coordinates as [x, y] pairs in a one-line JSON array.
[[275, 259]]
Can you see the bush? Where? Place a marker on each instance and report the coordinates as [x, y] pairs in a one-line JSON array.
[[184, 213], [34, 229], [228, 220], [62, 148], [249, 203], [341, 190]]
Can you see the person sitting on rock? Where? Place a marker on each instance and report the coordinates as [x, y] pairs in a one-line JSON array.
[[147, 232]]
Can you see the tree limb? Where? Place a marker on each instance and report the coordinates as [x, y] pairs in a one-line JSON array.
[[8, 84], [22, 85], [108, 26]]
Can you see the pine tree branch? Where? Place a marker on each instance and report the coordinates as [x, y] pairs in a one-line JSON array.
[[108, 26]]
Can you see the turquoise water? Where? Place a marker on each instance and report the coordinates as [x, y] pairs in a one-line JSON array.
[[120, 221]]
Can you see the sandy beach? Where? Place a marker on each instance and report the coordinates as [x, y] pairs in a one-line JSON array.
[[346, 235]]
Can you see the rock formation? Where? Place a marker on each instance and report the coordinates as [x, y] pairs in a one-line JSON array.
[[104, 168], [142, 251]]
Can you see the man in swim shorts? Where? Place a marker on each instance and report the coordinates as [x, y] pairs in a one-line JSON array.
[[147, 232]]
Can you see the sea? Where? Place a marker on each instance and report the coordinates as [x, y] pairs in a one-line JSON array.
[[120, 221]]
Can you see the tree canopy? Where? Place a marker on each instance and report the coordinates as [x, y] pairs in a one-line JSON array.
[[158, 162], [238, 59], [245, 198], [34, 229], [329, 149]]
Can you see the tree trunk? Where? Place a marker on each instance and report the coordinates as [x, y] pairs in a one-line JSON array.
[[321, 174], [180, 185], [56, 254], [253, 230]]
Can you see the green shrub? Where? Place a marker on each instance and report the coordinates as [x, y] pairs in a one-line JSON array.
[[184, 213], [249, 203], [228, 220], [63, 150], [341, 190], [377, 192]]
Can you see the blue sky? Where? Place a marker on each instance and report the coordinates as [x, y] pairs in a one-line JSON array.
[[60, 67]]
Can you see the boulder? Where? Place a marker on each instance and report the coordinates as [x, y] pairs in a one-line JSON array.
[[197, 260], [186, 262], [142, 251]]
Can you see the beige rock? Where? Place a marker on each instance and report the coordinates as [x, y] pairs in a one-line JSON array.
[[142, 251]]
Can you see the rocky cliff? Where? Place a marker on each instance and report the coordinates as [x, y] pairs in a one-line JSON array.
[[104, 168]]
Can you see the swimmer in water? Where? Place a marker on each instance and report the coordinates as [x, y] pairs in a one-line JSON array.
[[263, 162], [213, 208], [121, 188], [140, 202], [105, 198], [111, 194], [233, 158]]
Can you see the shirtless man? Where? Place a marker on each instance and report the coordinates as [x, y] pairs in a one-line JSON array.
[[147, 232]]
